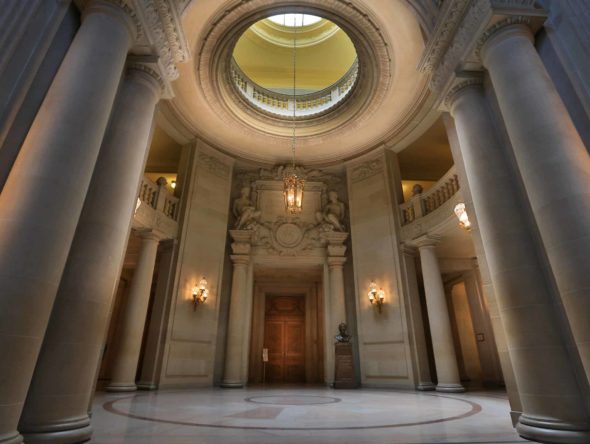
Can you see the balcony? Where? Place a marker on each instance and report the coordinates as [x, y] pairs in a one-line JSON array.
[[281, 105], [425, 211], [157, 209]]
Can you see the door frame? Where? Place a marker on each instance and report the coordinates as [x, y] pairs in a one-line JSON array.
[[314, 327]]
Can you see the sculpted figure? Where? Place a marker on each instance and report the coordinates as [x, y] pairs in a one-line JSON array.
[[245, 211], [333, 212], [343, 336]]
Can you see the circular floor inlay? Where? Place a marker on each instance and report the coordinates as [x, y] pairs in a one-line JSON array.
[[293, 400], [308, 409]]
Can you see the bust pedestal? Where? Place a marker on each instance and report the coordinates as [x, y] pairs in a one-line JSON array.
[[344, 374]]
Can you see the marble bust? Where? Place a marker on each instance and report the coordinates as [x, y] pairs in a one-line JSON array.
[[245, 210], [332, 214]]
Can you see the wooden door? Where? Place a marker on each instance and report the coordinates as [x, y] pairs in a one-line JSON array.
[[284, 337]]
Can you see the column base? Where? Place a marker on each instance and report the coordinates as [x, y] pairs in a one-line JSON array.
[[12, 438], [230, 384], [146, 386], [450, 388], [555, 432], [123, 387], [71, 432], [425, 386]]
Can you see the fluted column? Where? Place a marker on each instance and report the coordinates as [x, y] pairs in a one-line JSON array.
[[445, 359], [552, 404], [238, 311], [57, 401], [554, 165], [134, 316], [45, 191]]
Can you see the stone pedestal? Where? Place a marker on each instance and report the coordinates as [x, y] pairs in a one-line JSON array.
[[553, 163], [134, 316], [344, 372], [43, 196], [445, 359], [58, 398], [237, 344], [552, 404]]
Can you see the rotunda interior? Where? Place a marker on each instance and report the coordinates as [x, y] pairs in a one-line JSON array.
[[369, 218]]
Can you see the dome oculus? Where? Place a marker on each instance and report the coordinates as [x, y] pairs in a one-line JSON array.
[[262, 65]]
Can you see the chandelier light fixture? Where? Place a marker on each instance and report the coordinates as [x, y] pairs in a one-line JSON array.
[[293, 184]]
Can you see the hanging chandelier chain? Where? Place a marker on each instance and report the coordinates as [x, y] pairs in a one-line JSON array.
[[293, 140]]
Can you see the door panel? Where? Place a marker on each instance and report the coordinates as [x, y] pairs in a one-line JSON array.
[[284, 336]]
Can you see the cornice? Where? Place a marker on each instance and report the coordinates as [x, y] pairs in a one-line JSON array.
[[158, 33], [462, 27], [164, 32]]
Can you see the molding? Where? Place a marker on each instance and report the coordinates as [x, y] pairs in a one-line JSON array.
[[213, 57], [492, 30], [449, 19], [164, 30], [450, 96], [367, 169], [213, 165], [142, 67], [462, 28]]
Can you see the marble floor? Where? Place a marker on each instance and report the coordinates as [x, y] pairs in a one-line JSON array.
[[301, 415]]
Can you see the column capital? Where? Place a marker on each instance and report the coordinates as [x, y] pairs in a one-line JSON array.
[[428, 241], [148, 235], [142, 69], [336, 261], [510, 27], [475, 81], [408, 249], [118, 9], [240, 259]]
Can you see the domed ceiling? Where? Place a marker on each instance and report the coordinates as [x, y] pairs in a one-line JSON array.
[[387, 102]]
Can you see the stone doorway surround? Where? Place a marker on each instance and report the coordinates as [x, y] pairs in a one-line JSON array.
[[278, 282]]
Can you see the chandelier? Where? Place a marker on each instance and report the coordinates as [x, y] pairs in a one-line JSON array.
[[293, 184]]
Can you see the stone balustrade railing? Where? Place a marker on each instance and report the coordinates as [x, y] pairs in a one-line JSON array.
[[425, 203], [282, 104], [157, 209]]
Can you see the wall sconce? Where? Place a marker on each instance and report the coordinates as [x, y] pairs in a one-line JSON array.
[[376, 297], [173, 184], [462, 216], [200, 293]]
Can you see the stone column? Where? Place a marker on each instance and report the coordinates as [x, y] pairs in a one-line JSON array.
[[483, 276], [58, 397], [43, 196], [552, 404], [554, 165], [422, 377], [445, 358], [236, 349], [134, 315]]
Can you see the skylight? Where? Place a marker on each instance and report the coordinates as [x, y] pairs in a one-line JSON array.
[[293, 20]]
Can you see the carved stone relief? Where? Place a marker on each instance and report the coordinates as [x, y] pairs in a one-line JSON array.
[[258, 208]]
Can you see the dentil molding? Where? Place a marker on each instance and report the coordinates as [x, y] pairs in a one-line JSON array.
[[461, 29]]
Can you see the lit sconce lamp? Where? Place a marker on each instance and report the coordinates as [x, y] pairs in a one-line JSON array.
[[173, 184], [200, 293], [462, 216], [376, 296]]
